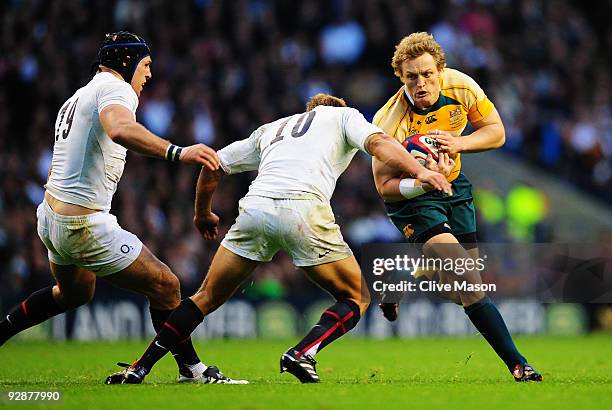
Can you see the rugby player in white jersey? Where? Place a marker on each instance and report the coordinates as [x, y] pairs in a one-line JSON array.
[[93, 131], [299, 159]]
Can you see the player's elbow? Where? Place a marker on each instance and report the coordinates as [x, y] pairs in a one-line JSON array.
[[500, 136], [118, 132], [381, 191], [388, 191], [377, 142], [379, 183], [115, 133], [389, 197]]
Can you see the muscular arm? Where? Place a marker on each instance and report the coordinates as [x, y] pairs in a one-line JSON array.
[[391, 153], [122, 128], [119, 124], [205, 220], [489, 133], [391, 160], [387, 181], [205, 188]]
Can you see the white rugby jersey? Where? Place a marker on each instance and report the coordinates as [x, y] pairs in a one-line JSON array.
[[300, 156], [87, 165]]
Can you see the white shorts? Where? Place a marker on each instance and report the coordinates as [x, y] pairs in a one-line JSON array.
[[304, 228], [95, 242]]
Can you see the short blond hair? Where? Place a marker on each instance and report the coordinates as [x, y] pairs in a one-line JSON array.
[[324, 99], [415, 45]]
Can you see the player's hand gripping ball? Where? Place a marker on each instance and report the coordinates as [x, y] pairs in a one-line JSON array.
[[421, 145], [425, 149]]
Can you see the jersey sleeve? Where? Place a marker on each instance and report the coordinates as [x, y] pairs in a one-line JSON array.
[[357, 129], [243, 155], [117, 93], [477, 103]]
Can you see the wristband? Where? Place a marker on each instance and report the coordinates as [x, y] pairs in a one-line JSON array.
[[173, 152], [408, 189]]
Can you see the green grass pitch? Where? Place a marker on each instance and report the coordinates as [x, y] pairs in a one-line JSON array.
[[437, 373]]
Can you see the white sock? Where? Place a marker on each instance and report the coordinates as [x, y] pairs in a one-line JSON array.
[[197, 369], [312, 351]]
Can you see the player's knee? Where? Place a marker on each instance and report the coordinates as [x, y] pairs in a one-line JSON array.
[[172, 284], [469, 298], [166, 288], [171, 287]]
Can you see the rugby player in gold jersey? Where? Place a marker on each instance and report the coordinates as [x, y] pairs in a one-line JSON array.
[[440, 101]]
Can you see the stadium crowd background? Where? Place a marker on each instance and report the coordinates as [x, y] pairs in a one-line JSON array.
[[220, 69]]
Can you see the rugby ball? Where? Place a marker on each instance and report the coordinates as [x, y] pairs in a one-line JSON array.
[[421, 145]]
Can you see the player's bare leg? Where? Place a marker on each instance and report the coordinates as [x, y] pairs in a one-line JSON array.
[[453, 295], [149, 276], [227, 271], [74, 287], [445, 245], [342, 279], [478, 307], [391, 309]]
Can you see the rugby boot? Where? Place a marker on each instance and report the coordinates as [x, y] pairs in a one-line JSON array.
[[303, 367], [390, 311], [212, 375], [130, 375], [523, 372]]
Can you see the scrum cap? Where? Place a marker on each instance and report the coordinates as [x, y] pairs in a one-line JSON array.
[[122, 51]]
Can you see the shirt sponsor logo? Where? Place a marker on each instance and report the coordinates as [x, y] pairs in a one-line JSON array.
[[455, 115]]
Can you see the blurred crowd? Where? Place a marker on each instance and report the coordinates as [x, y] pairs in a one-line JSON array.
[[220, 69]]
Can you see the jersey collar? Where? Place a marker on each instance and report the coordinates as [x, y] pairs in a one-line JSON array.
[[439, 103]]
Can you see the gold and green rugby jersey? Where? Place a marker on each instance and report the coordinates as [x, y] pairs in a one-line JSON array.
[[461, 100]]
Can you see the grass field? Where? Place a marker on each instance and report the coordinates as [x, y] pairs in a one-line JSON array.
[[453, 373]]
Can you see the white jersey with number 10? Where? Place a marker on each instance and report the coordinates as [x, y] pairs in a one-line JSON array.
[[300, 156]]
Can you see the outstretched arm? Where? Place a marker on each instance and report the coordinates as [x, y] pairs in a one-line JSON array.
[[122, 128], [205, 220], [237, 157]]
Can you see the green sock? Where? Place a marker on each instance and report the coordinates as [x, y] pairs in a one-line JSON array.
[[489, 322]]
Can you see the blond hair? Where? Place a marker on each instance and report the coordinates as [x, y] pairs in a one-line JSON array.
[[324, 99], [415, 45]]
